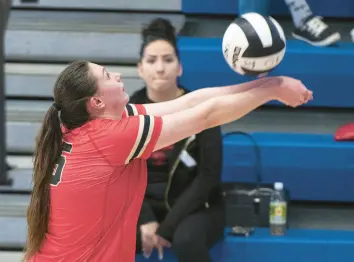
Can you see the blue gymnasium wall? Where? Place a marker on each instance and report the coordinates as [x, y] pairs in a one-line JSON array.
[[329, 8]]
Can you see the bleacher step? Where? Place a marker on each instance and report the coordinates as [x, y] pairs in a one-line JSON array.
[[37, 80], [308, 63], [20, 162], [13, 205], [11, 256], [303, 215], [27, 115], [297, 245], [313, 167], [21, 181], [54, 36], [134, 5], [13, 234]]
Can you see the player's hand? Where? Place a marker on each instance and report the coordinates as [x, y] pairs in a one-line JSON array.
[[160, 244], [292, 92], [148, 236]]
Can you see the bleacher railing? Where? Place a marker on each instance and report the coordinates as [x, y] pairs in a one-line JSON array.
[[4, 14]]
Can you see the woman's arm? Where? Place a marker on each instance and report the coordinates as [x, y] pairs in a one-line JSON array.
[[194, 98], [146, 213], [208, 177]]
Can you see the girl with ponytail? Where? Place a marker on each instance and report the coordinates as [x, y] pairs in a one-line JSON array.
[[90, 169]]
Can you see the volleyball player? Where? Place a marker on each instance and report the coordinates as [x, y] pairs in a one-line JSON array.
[[90, 157]]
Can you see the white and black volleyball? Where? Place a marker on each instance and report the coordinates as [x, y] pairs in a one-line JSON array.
[[254, 44]]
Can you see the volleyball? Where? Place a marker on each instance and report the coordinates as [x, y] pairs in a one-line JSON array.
[[254, 44]]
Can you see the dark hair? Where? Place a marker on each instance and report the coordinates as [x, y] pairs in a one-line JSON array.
[[159, 29], [72, 89]]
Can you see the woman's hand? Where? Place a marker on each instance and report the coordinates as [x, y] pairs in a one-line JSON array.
[[148, 237], [160, 244]]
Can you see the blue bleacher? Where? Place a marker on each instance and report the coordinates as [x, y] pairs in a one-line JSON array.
[[297, 245], [339, 8], [313, 167], [326, 71], [299, 160]]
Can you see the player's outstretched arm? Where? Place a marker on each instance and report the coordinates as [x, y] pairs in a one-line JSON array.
[[224, 109], [194, 98]]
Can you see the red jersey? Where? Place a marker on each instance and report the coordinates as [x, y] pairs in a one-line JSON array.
[[97, 189]]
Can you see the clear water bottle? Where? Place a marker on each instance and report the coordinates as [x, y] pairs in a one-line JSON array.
[[278, 211]]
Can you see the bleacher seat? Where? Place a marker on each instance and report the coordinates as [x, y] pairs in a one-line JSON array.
[[25, 80], [339, 8], [155, 5], [313, 167], [326, 71], [58, 36], [296, 245]]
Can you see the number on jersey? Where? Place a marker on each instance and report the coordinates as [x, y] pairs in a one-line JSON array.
[[59, 167]]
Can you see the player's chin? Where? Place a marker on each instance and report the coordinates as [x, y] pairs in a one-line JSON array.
[[126, 98]]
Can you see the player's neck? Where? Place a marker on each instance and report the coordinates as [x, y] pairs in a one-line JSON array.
[[110, 116], [114, 114], [165, 95]]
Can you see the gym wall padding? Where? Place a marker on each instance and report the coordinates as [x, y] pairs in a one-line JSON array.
[[327, 71], [327, 8]]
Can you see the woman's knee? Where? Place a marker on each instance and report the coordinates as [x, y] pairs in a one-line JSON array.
[[187, 248], [185, 240]]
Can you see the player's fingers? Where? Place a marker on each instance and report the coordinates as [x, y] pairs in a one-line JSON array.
[[310, 95]]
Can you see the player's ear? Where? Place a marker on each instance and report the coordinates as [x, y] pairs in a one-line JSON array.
[[96, 102]]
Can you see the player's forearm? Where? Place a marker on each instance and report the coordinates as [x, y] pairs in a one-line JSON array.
[[202, 95], [232, 107], [213, 112]]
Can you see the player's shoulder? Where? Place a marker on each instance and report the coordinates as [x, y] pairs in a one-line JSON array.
[[106, 127], [134, 110]]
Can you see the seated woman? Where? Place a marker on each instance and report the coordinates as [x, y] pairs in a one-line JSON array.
[[183, 204]]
